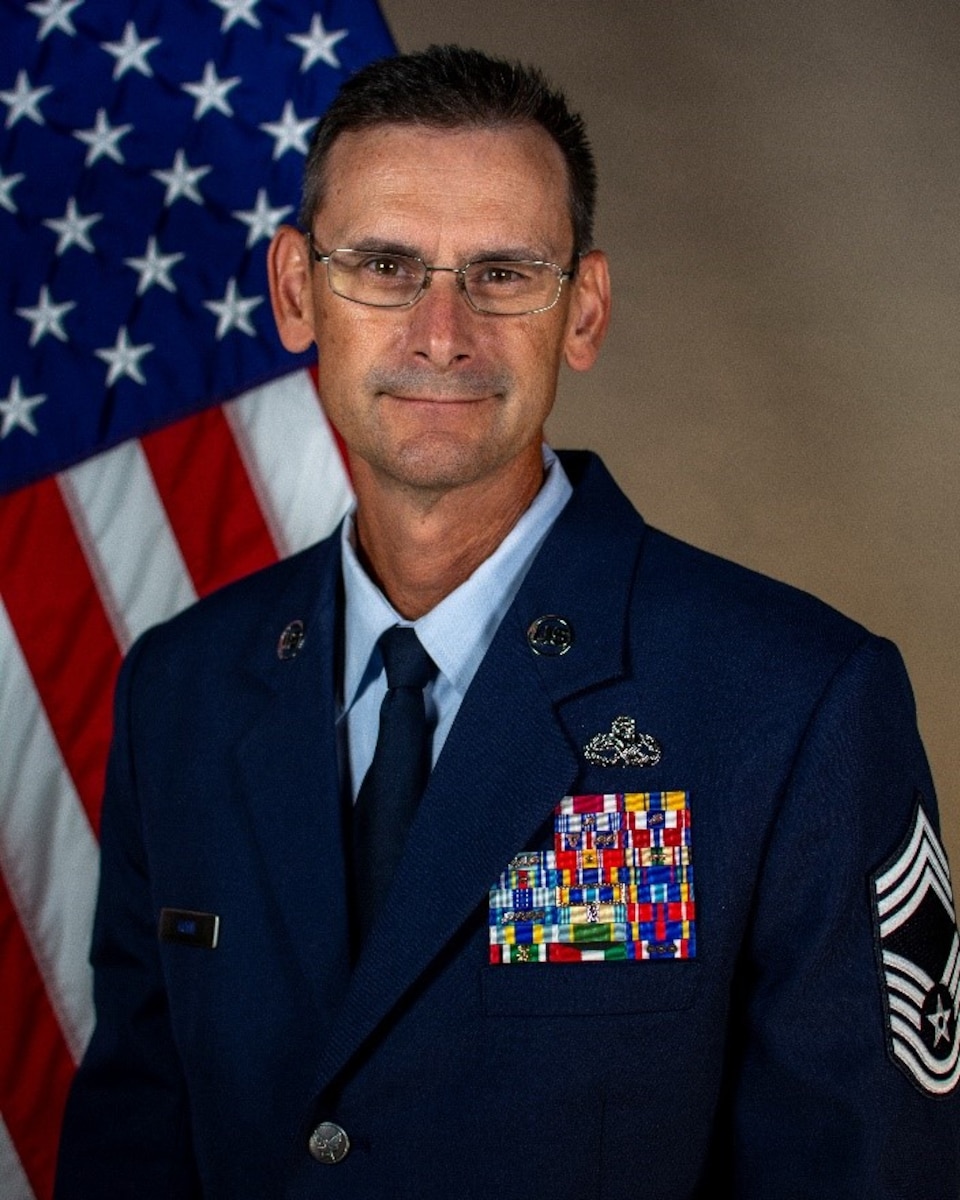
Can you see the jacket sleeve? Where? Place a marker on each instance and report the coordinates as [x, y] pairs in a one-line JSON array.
[[126, 1131], [834, 1096]]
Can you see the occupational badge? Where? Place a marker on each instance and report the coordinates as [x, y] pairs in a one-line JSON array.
[[919, 951], [623, 746]]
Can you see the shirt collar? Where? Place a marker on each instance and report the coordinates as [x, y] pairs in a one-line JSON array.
[[457, 632]]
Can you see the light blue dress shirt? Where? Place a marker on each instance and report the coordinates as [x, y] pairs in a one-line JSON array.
[[456, 633]]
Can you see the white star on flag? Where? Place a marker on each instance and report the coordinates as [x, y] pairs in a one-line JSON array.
[[181, 180], [211, 92], [46, 317], [317, 45], [262, 220], [73, 228], [233, 311], [17, 410], [289, 133], [54, 14], [238, 10], [131, 52], [154, 267], [124, 358], [24, 101], [102, 139], [7, 184]]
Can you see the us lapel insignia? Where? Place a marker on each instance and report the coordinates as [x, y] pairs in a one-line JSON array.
[[618, 884], [919, 952], [623, 746], [291, 641]]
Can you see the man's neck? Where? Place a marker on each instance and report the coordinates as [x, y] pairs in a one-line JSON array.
[[419, 547]]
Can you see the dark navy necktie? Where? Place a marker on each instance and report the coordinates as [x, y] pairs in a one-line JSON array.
[[393, 785]]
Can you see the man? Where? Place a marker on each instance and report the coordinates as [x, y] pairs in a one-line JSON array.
[[513, 988]]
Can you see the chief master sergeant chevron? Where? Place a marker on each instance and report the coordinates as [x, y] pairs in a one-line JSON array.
[[671, 917]]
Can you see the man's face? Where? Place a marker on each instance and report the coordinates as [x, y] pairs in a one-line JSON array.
[[438, 396]]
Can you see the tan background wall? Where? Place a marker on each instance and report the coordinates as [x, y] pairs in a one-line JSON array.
[[780, 198]]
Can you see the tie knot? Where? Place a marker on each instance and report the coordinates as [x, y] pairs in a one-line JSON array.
[[407, 664]]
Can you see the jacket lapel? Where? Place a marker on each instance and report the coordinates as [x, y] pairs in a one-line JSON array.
[[289, 773], [511, 755]]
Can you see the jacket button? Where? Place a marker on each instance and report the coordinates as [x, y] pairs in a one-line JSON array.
[[329, 1143]]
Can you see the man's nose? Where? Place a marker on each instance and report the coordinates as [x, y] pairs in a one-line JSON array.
[[443, 325]]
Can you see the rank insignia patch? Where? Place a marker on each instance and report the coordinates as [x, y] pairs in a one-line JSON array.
[[919, 950], [617, 885]]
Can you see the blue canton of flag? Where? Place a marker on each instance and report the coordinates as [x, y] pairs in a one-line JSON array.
[[149, 151]]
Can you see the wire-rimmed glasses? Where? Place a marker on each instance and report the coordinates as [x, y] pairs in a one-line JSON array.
[[382, 279]]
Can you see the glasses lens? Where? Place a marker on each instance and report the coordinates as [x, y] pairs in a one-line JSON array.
[[512, 288], [371, 277]]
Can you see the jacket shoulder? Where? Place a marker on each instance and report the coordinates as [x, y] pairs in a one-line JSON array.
[[754, 618], [246, 618]]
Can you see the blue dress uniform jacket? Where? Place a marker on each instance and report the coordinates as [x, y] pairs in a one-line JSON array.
[[761, 1067]]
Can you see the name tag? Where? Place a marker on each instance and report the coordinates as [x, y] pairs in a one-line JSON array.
[[188, 928]]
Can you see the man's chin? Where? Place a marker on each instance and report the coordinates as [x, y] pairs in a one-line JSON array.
[[440, 463]]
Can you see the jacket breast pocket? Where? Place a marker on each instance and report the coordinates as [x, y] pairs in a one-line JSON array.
[[589, 989]]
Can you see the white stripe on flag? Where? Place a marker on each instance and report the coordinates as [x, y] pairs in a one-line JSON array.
[[15, 1185], [292, 458], [52, 879], [129, 545]]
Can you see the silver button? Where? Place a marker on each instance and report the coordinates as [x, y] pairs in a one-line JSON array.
[[550, 636], [291, 641], [329, 1143]]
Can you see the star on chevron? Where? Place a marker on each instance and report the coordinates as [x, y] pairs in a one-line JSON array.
[[289, 133], [262, 220], [181, 180], [24, 101], [46, 317], [131, 52], [317, 45], [54, 14], [154, 267], [233, 311], [211, 92], [940, 1020], [74, 229], [7, 184], [102, 139], [238, 10], [124, 358], [17, 410]]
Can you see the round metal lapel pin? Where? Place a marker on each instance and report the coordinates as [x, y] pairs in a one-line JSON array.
[[550, 636], [291, 641]]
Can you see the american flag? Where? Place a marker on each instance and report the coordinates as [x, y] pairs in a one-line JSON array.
[[155, 440]]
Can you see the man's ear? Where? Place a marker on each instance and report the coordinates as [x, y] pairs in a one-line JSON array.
[[589, 313], [291, 295]]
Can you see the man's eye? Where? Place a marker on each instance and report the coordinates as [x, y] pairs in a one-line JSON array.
[[501, 274], [385, 267]]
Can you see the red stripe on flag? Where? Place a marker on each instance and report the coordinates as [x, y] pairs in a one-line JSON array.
[[35, 1064], [209, 500], [63, 630]]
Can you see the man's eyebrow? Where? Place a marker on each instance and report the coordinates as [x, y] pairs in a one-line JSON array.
[[384, 246], [509, 254], [525, 253]]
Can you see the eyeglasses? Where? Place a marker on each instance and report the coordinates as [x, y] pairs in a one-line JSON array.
[[505, 288]]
